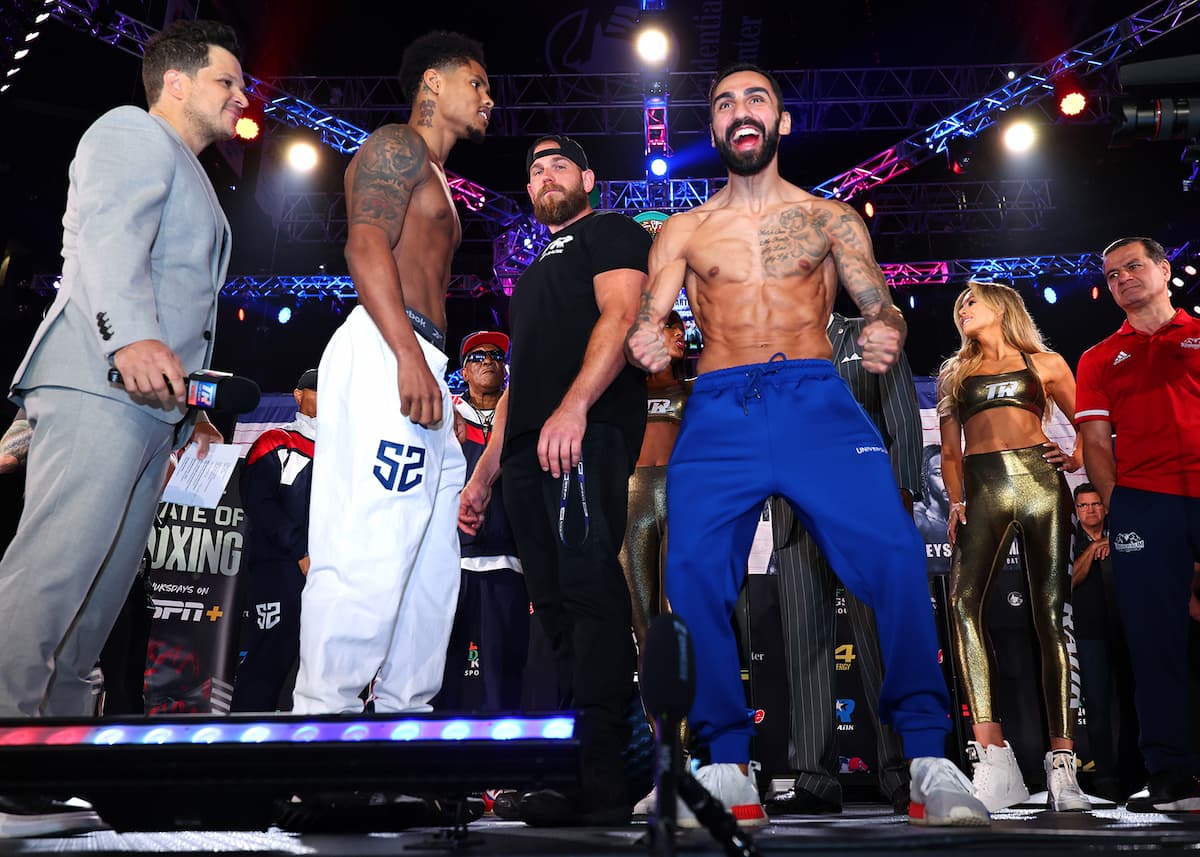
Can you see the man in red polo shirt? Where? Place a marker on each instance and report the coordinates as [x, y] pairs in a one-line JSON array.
[[1143, 384]]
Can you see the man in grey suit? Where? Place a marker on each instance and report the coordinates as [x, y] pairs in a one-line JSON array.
[[145, 249], [806, 591]]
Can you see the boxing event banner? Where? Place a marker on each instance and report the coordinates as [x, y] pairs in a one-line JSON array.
[[194, 557]]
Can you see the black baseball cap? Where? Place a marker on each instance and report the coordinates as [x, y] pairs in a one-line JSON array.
[[565, 146], [308, 381]]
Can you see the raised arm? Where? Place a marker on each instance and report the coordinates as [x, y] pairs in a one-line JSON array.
[[645, 342], [850, 246], [380, 182]]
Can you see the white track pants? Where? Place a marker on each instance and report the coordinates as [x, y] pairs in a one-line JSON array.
[[382, 587]]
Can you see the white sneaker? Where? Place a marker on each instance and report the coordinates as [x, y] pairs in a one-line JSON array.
[[996, 775], [38, 816], [942, 796], [736, 792], [1062, 788], [648, 804]]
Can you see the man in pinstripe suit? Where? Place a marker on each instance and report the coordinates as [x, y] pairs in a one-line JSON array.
[[806, 591]]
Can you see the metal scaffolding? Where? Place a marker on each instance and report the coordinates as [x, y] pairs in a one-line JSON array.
[[1103, 49]]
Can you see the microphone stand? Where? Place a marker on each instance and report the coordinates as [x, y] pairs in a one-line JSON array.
[[671, 778]]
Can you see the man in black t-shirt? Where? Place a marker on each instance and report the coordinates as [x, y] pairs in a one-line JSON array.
[[573, 418]]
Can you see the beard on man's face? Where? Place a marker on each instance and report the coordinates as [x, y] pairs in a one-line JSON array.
[[751, 162], [558, 209]]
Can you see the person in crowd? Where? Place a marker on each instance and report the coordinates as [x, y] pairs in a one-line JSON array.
[[994, 393], [761, 260], [145, 250], [490, 639], [276, 486], [1142, 384], [574, 416], [1104, 671], [806, 589], [378, 603]]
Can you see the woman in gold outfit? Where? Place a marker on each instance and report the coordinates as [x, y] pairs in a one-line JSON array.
[[993, 393], [645, 547]]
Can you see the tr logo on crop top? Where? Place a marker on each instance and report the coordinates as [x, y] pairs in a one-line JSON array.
[[1019, 389]]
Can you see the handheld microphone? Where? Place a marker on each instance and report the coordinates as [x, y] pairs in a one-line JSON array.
[[210, 390], [668, 668], [668, 681]]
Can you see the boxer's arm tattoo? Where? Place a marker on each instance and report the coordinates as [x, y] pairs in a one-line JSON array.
[[850, 246], [388, 168]]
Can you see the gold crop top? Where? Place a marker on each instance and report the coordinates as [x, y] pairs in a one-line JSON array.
[[1019, 389], [666, 405]]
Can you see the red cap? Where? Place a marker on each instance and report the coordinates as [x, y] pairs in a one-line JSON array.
[[483, 337]]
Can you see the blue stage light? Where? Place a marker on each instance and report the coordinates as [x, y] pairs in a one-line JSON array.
[[285, 315], [559, 727], [912, 301], [274, 731], [255, 735], [456, 730], [409, 730], [1050, 295], [507, 730], [658, 167], [110, 736]]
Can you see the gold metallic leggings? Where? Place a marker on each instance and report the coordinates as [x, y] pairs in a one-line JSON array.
[[644, 552], [1009, 492]]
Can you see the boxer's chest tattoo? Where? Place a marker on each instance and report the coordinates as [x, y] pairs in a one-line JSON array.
[[790, 243]]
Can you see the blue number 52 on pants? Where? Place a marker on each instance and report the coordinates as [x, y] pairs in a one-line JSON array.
[[398, 460]]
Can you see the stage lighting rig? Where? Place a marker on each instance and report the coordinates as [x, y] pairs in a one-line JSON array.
[[1163, 104]]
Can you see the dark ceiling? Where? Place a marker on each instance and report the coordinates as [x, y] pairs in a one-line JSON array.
[[1099, 192]]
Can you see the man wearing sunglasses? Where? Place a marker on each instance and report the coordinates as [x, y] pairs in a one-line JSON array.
[[490, 637]]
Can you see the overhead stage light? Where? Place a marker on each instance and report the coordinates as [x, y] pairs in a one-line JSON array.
[[1072, 104], [960, 151], [652, 45], [285, 315], [1019, 137], [1050, 295], [302, 156], [246, 129], [1071, 95], [658, 166]]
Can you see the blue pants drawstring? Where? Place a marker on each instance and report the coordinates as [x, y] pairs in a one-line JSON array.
[[755, 375]]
